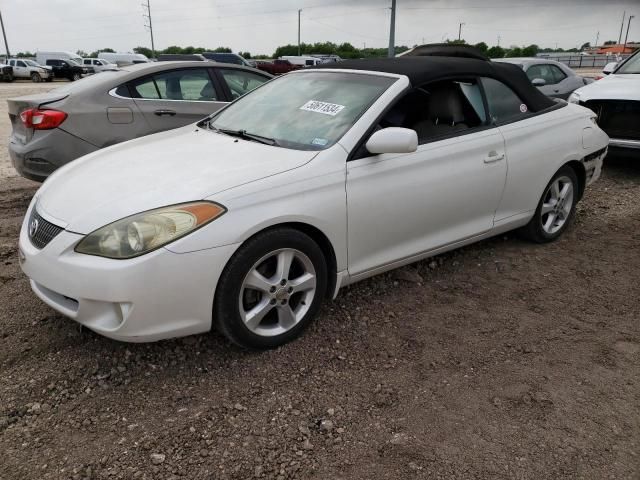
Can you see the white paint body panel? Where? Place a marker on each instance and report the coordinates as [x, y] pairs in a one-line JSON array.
[[378, 212], [611, 87]]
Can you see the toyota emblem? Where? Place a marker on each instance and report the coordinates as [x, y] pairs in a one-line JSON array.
[[33, 227]]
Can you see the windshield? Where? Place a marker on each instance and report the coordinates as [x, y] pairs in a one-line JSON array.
[[73, 63], [630, 66], [31, 63], [309, 111]]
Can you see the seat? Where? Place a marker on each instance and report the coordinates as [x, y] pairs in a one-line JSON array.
[[445, 113], [174, 92], [207, 93]]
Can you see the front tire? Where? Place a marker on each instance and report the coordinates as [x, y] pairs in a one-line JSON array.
[[271, 289], [556, 208], [76, 76], [35, 77]]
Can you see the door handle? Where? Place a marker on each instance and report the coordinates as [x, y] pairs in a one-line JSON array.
[[160, 113], [493, 157]]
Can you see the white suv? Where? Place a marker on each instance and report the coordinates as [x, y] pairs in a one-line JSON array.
[[616, 101], [95, 65], [23, 68]]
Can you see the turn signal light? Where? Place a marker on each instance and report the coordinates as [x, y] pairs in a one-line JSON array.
[[42, 119]]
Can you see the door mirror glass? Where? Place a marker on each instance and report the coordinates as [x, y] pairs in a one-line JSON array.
[[393, 140], [609, 68], [538, 82]]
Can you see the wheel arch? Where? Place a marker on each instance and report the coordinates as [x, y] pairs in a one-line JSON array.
[[581, 173], [318, 236]]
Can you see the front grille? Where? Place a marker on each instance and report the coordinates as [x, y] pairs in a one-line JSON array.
[[41, 231], [618, 118]]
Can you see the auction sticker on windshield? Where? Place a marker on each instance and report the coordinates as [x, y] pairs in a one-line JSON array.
[[322, 107]]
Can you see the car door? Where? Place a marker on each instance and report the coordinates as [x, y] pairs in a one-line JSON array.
[[403, 205], [177, 97], [20, 69], [237, 82]]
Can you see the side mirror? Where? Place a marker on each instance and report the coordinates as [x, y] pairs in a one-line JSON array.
[[393, 140], [609, 68], [538, 82]]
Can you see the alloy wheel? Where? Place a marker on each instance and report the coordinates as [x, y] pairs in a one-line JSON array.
[[277, 292], [557, 205]]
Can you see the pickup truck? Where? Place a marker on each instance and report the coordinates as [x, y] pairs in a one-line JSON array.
[[6, 73], [277, 67], [66, 69], [23, 68]]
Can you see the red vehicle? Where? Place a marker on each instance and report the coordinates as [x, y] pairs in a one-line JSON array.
[[277, 67]]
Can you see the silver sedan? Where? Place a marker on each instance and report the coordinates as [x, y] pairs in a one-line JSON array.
[[552, 78], [54, 128]]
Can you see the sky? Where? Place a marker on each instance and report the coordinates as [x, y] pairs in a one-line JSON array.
[[259, 26]]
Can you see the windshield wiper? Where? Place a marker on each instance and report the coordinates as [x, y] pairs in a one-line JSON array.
[[246, 135]]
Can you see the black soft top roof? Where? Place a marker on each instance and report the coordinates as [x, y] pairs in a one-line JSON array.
[[425, 69]]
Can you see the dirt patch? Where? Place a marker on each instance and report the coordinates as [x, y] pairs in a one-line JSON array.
[[500, 360]]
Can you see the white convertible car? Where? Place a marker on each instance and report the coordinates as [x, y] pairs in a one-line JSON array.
[[246, 221]]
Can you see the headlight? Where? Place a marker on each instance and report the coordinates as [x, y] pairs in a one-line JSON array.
[[141, 233], [574, 98]]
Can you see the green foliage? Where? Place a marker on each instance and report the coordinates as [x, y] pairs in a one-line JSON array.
[[344, 50], [144, 51], [610, 42], [530, 51], [26, 54], [514, 52], [245, 55], [482, 47], [495, 52], [585, 45]]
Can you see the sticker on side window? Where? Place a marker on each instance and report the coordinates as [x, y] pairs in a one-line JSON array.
[[523, 108], [322, 107]]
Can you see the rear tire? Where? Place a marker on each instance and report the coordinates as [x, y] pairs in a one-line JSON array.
[[556, 208], [271, 289], [35, 77], [76, 76]]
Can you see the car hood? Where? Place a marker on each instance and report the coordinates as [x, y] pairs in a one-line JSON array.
[[163, 169], [612, 87]]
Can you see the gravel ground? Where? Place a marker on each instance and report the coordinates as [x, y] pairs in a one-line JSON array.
[[500, 360]]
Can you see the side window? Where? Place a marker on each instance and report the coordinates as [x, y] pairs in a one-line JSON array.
[[188, 85], [97, 62], [86, 62], [12, 63], [504, 104], [439, 109], [241, 82], [558, 74], [21, 64]]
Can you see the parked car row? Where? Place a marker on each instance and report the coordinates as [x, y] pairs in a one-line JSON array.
[[273, 202]]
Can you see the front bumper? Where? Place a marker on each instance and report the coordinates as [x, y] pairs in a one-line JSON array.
[[45, 152], [622, 143], [153, 297]]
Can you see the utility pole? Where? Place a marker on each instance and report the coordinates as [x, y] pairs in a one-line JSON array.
[[498, 40], [624, 49], [299, 12], [150, 26], [460, 30], [4, 35], [392, 31], [624, 14], [597, 38]]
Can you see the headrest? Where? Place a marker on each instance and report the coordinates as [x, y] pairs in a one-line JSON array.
[[445, 105]]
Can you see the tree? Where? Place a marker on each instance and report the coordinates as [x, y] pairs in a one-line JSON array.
[[495, 52], [144, 51], [245, 55], [223, 50], [530, 51], [482, 47], [610, 42], [82, 53], [26, 54], [585, 46], [172, 50], [514, 52]]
